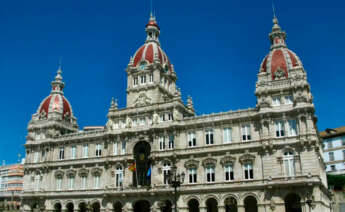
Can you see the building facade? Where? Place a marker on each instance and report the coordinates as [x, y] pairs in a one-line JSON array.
[[11, 185], [266, 158], [334, 150]]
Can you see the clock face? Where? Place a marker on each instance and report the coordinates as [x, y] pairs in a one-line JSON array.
[[142, 66]]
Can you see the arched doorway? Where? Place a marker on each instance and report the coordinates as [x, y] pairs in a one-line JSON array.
[[117, 207], [142, 206], [212, 205], [293, 203], [70, 207], [167, 206], [96, 207], [82, 207], [230, 204], [193, 205], [57, 207], [142, 152], [250, 204]]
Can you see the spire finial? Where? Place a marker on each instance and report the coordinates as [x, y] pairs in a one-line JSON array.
[[277, 36], [58, 84]]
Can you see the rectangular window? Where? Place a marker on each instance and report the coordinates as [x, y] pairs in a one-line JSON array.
[[151, 77], [119, 177], [227, 138], [115, 144], [98, 150], [210, 175], [248, 171], [135, 81], [162, 117], [276, 101], [229, 172], [333, 168], [292, 127], [143, 79], [161, 143], [280, 132], [191, 139], [36, 157], [123, 148], [209, 137], [73, 152], [43, 155], [288, 100], [71, 183], [289, 166], [246, 132], [61, 153], [59, 183], [83, 182], [329, 144], [170, 117], [85, 151], [166, 174], [171, 142], [142, 121], [331, 156], [96, 181], [192, 175]]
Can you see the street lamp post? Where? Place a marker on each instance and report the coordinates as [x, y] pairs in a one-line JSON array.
[[175, 180]]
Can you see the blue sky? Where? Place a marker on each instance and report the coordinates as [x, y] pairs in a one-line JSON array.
[[215, 46]]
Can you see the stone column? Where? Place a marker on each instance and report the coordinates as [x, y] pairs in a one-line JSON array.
[[202, 209], [221, 208], [240, 208]]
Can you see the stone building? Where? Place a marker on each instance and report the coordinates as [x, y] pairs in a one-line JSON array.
[[11, 185], [334, 150], [267, 158]]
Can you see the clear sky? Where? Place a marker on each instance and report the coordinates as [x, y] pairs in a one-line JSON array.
[[215, 46]]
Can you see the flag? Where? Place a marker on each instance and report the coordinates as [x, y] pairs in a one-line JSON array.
[[148, 173], [132, 167]]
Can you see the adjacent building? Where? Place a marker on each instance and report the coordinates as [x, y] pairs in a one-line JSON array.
[[11, 184], [266, 158], [334, 150]]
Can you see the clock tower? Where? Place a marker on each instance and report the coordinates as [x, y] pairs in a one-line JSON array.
[[151, 78]]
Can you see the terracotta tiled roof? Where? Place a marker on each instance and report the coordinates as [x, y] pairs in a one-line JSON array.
[[328, 133]]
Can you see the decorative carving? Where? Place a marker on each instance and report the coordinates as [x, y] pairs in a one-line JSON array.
[[96, 171], [110, 125], [155, 118], [59, 173], [71, 172], [142, 100], [83, 172], [128, 122], [209, 161], [247, 158], [227, 159], [177, 115], [191, 164], [279, 73]]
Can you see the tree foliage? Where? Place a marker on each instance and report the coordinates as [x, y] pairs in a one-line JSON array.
[[336, 181]]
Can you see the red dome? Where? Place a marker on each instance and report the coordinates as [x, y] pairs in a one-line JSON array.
[[55, 103], [148, 52], [280, 61]]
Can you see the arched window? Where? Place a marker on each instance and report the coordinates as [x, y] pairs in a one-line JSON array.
[[82, 207], [71, 180], [293, 203], [59, 182], [230, 204], [118, 176], [193, 205], [289, 164], [212, 205], [70, 207], [250, 204], [96, 207], [57, 207], [166, 172]]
